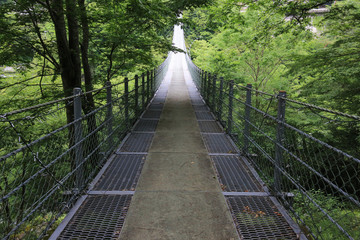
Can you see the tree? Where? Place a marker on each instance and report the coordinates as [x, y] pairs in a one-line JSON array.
[[329, 73], [330, 70], [247, 46]]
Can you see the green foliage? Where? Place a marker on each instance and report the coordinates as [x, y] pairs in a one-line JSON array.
[[334, 206], [257, 45], [330, 71], [124, 37], [280, 45], [246, 46], [127, 36]]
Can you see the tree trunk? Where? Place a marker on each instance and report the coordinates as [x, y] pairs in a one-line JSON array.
[[85, 49], [69, 78], [89, 104], [69, 56], [74, 44]]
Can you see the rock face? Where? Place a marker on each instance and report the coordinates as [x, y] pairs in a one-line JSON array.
[[9, 70]]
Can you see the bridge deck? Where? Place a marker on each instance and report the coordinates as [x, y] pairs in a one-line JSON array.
[[177, 176]]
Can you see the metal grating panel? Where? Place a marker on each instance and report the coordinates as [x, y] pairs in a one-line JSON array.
[[152, 114], [192, 88], [137, 142], [145, 125], [218, 143], [234, 175], [209, 127], [204, 116], [159, 100], [195, 97], [259, 218], [161, 95], [122, 174], [197, 102], [200, 108], [100, 217], [156, 106], [164, 87]]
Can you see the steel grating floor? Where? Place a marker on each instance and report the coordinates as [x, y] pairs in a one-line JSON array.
[[162, 95], [197, 102], [204, 116], [195, 97], [99, 217], [137, 142], [156, 106], [159, 100], [145, 125], [234, 176], [259, 218], [209, 127], [122, 174], [152, 114], [218, 143], [201, 108]]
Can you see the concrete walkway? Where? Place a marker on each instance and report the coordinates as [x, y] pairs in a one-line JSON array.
[[178, 196]]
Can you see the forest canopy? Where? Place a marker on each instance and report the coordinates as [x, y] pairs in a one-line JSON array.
[[53, 46], [310, 49], [283, 45]]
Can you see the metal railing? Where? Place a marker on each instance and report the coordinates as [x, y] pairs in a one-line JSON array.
[[46, 163], [316, 180]]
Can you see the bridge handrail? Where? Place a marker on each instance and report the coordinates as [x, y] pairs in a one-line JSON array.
[[300, 168], [47, 163], [302, 103]]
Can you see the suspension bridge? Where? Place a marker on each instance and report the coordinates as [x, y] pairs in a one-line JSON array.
[[176, 153]]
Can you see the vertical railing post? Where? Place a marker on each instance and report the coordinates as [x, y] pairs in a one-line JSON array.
[[126, 102], [213, 103], [201, 82], [109, 114], [208, 88], [220, 100], [153, 81], [280, 137], [143, 92], [204, 85], [247, 119], [199, 73], [230, 110], [147, 87], [198, 76], [136, 104], [154, 74], [79, 158]]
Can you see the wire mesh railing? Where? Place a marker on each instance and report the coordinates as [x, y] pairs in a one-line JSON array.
[[309, 159], [48, 161]]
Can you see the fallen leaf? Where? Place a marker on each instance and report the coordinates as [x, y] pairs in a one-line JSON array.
[[277, 213]]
